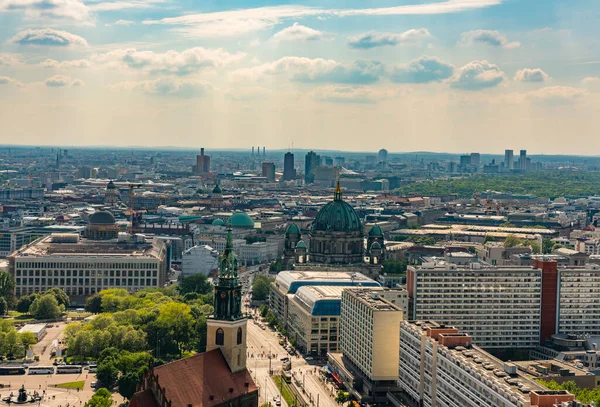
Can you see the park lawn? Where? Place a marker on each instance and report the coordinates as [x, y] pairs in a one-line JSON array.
[[71, 385], [287, 396]]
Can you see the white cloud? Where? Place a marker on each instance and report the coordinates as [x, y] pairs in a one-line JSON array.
[[185, 88], [422, 70], [123, 5], [78, 63], [299, 32], [374, 39], [315, 70], [553, 95], [5, 80], [242, 21], [488, 37], [478, 75], [60, 81], [9, 59], [531, 75], [591, 80], [123, 22], [48, 37], [171, 62], [45, 10], [351, 94]]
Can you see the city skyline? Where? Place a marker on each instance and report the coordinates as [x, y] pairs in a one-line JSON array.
[[449, 75]]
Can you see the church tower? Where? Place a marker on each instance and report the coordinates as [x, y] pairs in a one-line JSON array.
[[226, 329], [111, 196]]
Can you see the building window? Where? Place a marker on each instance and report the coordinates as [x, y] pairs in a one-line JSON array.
[[239, 336], [220, 337]]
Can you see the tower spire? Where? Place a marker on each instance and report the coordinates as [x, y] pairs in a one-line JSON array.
[[337, 195]]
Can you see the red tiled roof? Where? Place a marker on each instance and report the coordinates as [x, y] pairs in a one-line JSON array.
[[143, 399], [194, 380]]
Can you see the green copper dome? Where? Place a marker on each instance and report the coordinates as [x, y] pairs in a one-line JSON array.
[[293, 229], [375, 246], [218, 222], [216, 189], [241, 220], [337, 216], [376, 231], [301, 245]]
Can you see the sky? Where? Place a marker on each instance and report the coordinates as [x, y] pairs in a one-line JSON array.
[[453, 76]]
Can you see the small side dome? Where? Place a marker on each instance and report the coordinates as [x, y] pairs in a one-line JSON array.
[[241, 220], [102, 218], [376, 231], [218, 222], [111, 185], [301, 245], [293, 229], [216, 189], [375, 246]]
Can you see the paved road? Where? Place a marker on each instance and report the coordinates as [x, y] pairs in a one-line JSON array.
[[260, 344]]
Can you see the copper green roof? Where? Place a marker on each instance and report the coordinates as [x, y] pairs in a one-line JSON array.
[[241, 220], [337, 216], [301, 245], [376, 231], [293, 229], [218, 222]]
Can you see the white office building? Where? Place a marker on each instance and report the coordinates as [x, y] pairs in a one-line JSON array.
[[499, 307]]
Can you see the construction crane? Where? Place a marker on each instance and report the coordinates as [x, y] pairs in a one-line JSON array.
[[131, 203]]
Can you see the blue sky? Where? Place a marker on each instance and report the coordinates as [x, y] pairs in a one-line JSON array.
[[439, 75]]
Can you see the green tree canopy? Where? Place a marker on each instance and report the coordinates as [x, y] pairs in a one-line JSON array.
[[61, 297], [7, 286], [94, 304], [260, 287], [46, 307], [102, 398], [196, 283], [3, 306], [107, 373]]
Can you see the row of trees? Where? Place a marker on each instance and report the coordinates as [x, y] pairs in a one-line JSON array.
[[50, 304], [13, 343]]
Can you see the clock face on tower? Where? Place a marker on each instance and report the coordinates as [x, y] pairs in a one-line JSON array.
[[223, 295]]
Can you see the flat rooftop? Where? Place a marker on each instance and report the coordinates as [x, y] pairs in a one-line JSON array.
[[372, 299], [45, 247], [290, 281]]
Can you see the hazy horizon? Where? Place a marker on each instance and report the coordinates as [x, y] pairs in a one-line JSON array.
[[452, 76]]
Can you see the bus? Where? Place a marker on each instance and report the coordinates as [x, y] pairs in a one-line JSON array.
[[69, 369], [41, 370], [11, 370]]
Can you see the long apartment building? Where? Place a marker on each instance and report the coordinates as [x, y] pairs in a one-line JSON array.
[[439, 366], [510, 306]]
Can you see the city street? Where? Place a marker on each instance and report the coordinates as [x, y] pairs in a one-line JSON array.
[[262, 342]]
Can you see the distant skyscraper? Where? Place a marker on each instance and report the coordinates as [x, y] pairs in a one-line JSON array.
[[509, 160], [475, 159], [268, 171], [312, 161], [264, 151], [523, 160], [340, 161], [202, 163], [465, 160], [327, 160], [383, 155], [289, 172], [252, 151]]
